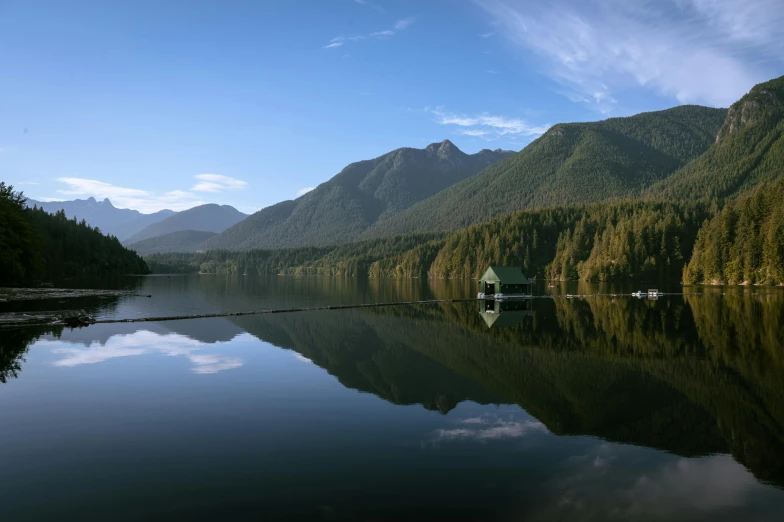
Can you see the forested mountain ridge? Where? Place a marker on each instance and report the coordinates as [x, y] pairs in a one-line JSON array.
[[363, 193], [607, 241], [749, 149], [204, 218], [180, 241], [570, 164], [119, 222]]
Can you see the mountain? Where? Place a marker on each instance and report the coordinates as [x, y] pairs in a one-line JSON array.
[[204, 218], [749, 149], [181, 241], [119, 222], [361, 195], [571, 163]]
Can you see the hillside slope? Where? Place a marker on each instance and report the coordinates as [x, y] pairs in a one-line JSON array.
[[571, 163], [363, 193], [181, 241], [744, 243], [749, 149], [205, 218]]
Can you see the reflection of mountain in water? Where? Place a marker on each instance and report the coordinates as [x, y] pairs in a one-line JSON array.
[[692, 376], [658, 374]]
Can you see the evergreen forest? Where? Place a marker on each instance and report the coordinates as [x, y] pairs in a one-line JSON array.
[[37, 246]]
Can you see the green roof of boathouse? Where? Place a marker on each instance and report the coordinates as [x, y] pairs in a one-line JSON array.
[[506, 275]]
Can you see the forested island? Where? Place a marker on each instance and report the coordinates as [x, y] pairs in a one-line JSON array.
[[37, 246]]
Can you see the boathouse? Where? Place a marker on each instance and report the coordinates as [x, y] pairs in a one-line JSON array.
[[499, 314], [503, 280]]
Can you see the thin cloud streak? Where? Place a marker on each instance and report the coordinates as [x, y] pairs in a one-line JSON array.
[[217, 183], [400, 25], [695, 51], [487, 124], [403, 24]]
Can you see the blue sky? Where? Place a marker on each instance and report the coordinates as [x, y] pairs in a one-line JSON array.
[[171, 104]]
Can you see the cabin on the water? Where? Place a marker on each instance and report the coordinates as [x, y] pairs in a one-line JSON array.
[[506, 280]]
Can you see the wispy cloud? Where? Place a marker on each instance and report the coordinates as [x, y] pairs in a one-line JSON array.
[[486, 35], [141, 343], [403, 24], [400, 25], [145, 200], [303, 191], [28, 183], [486, 124], [696, 51], [217, 183]]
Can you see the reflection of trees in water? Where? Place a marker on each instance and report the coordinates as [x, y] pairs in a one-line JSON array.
[[694, 376], [662, 374], [14, 346]]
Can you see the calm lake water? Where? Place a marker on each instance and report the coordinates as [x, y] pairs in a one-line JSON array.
[[595, 408]]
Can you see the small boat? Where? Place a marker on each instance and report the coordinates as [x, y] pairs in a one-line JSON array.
[[639, 293]]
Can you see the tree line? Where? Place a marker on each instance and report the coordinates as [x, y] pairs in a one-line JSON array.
[[35, 245]]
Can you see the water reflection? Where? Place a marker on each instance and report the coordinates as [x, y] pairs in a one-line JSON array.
[[490, 426], [142, 342], [501, 314], [695, 376]]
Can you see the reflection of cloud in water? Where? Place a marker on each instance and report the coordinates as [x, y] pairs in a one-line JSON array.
[[604, 482], [490, 427], [140, 343], [301, 358]]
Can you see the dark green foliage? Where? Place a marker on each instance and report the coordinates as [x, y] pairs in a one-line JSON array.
[[744, 243], [20, 258], [749, 150], [571, 163], [692, 378], [352, 259], [363, 193], [36, 245], [182, 241], [605, 241], [70, 248]]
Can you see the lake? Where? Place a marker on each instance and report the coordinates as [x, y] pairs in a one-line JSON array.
[[596, 408]]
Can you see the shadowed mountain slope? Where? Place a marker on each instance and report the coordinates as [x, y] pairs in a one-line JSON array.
[[181, 241], [749, 150], [362, 194], [571, 163], [204, 218]]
